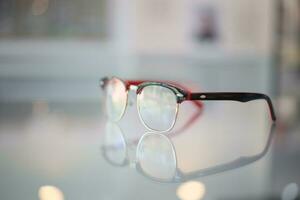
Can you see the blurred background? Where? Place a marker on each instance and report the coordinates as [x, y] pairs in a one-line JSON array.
[[53, 53]]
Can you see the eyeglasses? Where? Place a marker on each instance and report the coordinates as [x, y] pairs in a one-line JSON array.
[[158, 102]]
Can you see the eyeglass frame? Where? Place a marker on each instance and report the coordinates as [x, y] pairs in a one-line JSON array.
[[185, 95]]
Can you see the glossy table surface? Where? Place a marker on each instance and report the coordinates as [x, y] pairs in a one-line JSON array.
[[70, 151]]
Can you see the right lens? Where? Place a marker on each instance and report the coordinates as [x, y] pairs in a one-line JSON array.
[[157, 106], [116, 99]]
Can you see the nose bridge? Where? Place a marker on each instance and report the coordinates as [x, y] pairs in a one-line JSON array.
[[132, 94], [133, 87]]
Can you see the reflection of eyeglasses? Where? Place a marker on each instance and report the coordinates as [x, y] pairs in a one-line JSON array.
[[116, 147], [156, 156], [156, 159], [157, 102]]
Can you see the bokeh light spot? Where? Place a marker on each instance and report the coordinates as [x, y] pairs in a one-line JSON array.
[[192, 190]]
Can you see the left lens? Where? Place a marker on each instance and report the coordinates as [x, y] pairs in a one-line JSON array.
[[157, 106], [116, 99]]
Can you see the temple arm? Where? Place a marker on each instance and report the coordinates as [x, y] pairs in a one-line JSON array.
[[233, 96]]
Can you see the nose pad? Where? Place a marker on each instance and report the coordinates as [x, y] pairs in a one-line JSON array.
[[131, 98]]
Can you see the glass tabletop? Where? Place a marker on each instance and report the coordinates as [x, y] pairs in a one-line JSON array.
[[71, 151]]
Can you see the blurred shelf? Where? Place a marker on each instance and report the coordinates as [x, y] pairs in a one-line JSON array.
[[70, 69]]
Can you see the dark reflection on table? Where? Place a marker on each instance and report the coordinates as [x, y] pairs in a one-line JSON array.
[[156, 156]]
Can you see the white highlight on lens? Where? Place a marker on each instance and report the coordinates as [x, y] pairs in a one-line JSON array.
[[157, 106], [116, 99], [290, 192], [191, 190], [49, 192], [156, 156]]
